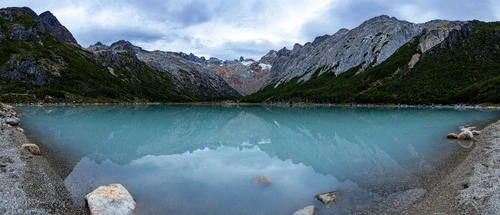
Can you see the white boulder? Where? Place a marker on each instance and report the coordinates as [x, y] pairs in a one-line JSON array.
[[309, 210], [465, 135], [110, 199]]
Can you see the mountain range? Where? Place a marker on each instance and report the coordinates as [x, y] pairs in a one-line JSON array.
[[383, 60]]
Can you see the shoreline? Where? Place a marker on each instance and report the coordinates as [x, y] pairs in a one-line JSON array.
[[30, 184], [42, 188], [470, 187], [274, 104]]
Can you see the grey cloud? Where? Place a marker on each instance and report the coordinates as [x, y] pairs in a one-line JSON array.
[[349, 14], [107, 36], [195, 12], [176, 12]]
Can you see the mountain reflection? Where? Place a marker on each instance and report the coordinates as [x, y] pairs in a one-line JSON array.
[[374, 148]]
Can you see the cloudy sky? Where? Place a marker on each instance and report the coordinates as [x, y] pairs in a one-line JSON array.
[[228, 29]]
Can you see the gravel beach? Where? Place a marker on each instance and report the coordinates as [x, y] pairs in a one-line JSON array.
[[472, 187], [28, 183]]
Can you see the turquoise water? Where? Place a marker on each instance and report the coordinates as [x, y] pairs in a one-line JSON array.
[[206, 159]]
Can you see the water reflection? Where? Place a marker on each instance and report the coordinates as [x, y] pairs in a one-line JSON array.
[[190, 159]]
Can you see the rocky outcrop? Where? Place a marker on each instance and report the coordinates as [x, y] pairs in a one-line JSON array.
[[110, 199], [24, 69], [56, 28], [328, 198], [309, 210], [8, 116]]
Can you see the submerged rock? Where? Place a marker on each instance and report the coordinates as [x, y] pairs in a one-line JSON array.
[[452, 136], [263, 180], [328, 198], [32, 148], [110, 199], [309, 210]]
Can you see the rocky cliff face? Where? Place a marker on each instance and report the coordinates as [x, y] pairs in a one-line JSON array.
[[56, 28], [191, 75], [366, 45]]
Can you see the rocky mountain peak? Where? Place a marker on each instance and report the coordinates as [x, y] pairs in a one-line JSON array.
[[125, 46], [11, 13], [97, 47], [56, 28]]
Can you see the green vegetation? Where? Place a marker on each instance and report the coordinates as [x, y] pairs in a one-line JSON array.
[[75, 75], [465, 68]]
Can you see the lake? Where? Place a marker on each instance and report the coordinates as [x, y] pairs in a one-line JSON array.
[[181, 159]]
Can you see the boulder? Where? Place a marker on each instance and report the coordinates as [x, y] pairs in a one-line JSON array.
[[452, 136], [263, 180], [476, 132], [465, 135], [309, 210], [14, 121], [110, 199], [328, 197], [32, 148]]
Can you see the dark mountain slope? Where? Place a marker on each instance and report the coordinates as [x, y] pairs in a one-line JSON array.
[[464, 68], [40, 61]]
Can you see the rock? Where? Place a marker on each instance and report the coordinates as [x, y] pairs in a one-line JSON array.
[[476, 132], [328, 198], [33, 148], [110, 199], [309, 210], [465, 135], [263, 180], [8, 108], [452, 136], [14, 121], [20, 129]]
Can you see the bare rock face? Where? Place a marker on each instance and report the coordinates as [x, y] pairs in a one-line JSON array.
[[24, 69], [245, 77], [367, 45], [309, 210], [56, 28], [437, 31], [110, 199], [32, 148]]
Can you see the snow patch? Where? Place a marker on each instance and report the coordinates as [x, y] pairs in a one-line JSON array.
[[265, 66]]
